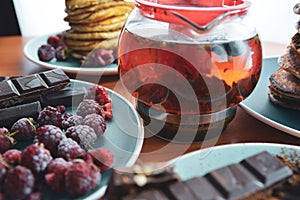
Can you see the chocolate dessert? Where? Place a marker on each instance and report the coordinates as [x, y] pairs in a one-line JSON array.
[[261, 176]]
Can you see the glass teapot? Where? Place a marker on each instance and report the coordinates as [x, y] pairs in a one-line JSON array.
[[188, 64]]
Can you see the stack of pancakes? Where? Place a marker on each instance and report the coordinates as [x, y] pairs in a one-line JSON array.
[[94, 24], [284, 89]]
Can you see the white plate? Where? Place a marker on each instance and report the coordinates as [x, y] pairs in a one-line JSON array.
[[70, 66], [259, 106], [200, 162]]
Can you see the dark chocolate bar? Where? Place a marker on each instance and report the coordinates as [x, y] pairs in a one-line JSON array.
[[10, 115], [236, 181], [29, 88], [70, 97]]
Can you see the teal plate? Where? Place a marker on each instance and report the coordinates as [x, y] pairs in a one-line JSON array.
[[70, 66], [259, 106], [200, 162], [123, 137]]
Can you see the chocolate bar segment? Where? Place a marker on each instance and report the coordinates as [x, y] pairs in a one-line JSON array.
[[234, 181], [54, 77], [202, 189], [10, 115], [148, 195], [28, 84], [6, 90], [179, 191], [29, 88], [70, 97], [268, 169]]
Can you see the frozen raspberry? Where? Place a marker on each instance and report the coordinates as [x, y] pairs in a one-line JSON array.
[[6, 143], [99, 94], [69, 149], [3, 130], [50, 136], [97, 122], [23, 129], [50, 116], [12, 157], [102, 158], [71, 121], [107, 110], [36, 158], [89, 106], [82, 134], [19, 183], [55, 175], [81, 178], [61, 108], [54, 41]]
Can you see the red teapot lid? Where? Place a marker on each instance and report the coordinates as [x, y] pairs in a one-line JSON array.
[[199, 12]]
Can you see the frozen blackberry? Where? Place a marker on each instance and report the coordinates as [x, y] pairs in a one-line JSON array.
[[19, 183], [102, 158], [6, 143], [23, 129], [36, 158], [50, 136], [82, 134], [69, 149], [50, 116], [71, 121], [12, 157], [99, 94], [97, 122], [81, 178], [55, 175], [89, 106]]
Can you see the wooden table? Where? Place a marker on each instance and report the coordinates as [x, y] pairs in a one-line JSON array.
[[244, 128]]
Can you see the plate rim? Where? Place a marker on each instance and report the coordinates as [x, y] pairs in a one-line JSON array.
[[266, 120], [221, 148], [138, 147], [79, 70]]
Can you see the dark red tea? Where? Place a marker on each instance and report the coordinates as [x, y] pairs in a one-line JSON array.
[[188, 77]]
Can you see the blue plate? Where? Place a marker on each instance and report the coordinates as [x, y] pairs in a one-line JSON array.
[[198, 163], [70, 66], [123, 137], [259, 106]]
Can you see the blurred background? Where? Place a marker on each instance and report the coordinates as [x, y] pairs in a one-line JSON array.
[[274, 19]]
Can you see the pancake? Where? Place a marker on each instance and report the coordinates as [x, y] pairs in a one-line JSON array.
[[99, 15], [287, 62], [73, 4], [97, 7], [97, 27], [284, 89], [91, 35], [82, 45]]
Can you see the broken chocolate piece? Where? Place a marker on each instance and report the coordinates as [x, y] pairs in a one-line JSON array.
[[28, 84], [10, 115], [148, 195], [54, 77], [268, 169]]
